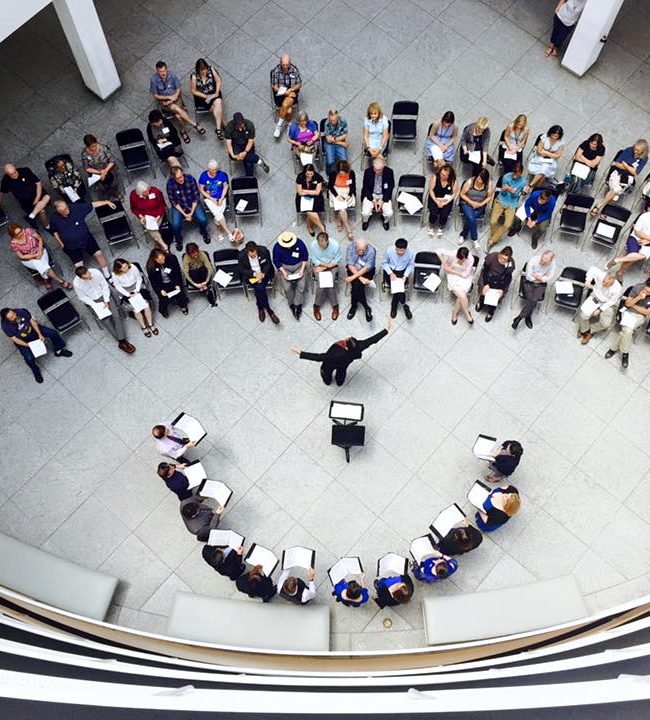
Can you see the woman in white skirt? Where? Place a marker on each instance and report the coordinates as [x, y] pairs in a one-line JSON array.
[[342, 194], [32, 253], [127, 280], [543, 160], [459, 268]]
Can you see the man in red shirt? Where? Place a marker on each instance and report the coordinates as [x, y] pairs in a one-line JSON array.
[[148, 205]]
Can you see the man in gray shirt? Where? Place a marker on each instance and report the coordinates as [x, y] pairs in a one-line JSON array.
[[539, 270], [200, 515]]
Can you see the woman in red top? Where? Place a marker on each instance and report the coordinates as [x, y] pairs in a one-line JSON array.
[[148, 202], [32, 253]]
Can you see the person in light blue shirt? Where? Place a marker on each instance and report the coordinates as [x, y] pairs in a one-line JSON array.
[[335, 139], [360, 260], [505, 204], [399, 262], [325, 256]]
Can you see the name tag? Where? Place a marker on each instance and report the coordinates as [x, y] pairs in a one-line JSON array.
[[348, 182], [152, 196], [385, 186], [165, 131], [76, 222], [167, 270], [295, 254]]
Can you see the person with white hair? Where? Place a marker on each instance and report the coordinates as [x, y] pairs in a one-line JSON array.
[[539, 271], [148, 205], [360, 260], [213, 186]]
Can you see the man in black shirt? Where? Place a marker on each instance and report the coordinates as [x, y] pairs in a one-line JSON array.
[[239, 134], [340, 355], [28, 190]]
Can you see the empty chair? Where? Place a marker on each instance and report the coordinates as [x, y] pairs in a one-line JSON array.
[[4, 220], [245, 189], [577, 277], [609, 225], [426, 263], [133, 150], [413, 185], [115, 225], [58, 309], [404, 120], [573, 216], [227, 261]]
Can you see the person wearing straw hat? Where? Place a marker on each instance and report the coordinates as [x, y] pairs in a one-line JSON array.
[[290, 257]]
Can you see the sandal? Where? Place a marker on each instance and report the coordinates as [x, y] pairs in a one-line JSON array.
[[185, 136], [146, 331], [154, 329], [200, 130], [219, 132], [594, 211]]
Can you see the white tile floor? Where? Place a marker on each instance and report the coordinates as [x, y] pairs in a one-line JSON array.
[[78, 463]]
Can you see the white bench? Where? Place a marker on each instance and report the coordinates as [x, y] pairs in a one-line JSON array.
[[495, 613], [278, 625], [52, 580]]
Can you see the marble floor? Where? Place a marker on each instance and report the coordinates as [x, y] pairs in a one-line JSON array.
[[78, 462]]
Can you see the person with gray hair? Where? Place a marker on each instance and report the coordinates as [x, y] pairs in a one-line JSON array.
[[213, 186], [303, 135], [539, 271], [335, 139], [285, 85], [606, 291], [148, 205]]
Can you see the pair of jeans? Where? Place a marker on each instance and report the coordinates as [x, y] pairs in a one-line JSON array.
[[261, 296], [58, 343], [333, 153], [177, 221], [250, 160], [470, 217]]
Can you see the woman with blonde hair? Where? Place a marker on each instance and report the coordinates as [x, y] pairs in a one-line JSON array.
[[499, 506], [375, 131], [127, 280], [475, 145], [514, 139]]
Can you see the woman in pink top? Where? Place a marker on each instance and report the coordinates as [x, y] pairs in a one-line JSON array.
[[459, 268], [28, 246]]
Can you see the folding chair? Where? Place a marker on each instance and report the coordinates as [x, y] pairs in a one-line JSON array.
[[404, 120], [573, 216], [426, 263], [245, 188], [609, 225], [116, 225], [577, 277], [200, 107], [61, 313], [227, 260], [414, 185], [133, 149]]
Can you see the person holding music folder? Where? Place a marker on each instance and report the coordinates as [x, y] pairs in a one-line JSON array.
[[436, 567], [506, 460], [339, 356], [499, 506], [175, 479], [296, 590], [226, 561], [352, 593], [170, 441], [256, 584], [395, 590], [462, 538], [201, 515]]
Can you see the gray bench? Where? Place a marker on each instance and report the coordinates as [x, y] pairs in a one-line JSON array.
[[278, 625], [54, 581], [494, 613]]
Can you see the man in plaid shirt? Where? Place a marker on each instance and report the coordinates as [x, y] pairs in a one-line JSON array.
[[286, 84], [185, 201]]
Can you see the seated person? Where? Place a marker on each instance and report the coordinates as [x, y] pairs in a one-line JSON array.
[[325, 255], [128, 281], [505, 204], [21, 328], [97, 159], [148, 200], [499, 506], [352, 593], [638, 304], [256, 269], [185, 200], [164, 138], [627, 166], [443, 189], [360, 259], [539, 271], [375, 131], [290, 257], [226, 561], [200, 515], [395, 590], [65, 175], [285, 85], [335, 139], [459, 271], [476, 139], [435, 567], [542, 163], [505, 461], [296, 590], [166, 280], [539, 207], [198, 272], [32, 253], [175, 479], [377, 193], [172, 441], [213, 186], [515, 137], [607, 291], [205, 85], [239, 135], [28, 191], [440, 144], [639, 238], [399, 262], [256, 584], [342, 185], [589, 153], [461, 539], [303, 135], [496, 274], [165, 88], [475, 195], [309, 184]]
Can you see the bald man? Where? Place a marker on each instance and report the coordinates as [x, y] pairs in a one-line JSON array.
[[539, 271], [286, 84], [360, 260], [28, 190]]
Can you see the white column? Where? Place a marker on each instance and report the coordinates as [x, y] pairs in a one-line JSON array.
[[88, 44]]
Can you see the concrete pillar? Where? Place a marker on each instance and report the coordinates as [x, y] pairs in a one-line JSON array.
[[88, 44]]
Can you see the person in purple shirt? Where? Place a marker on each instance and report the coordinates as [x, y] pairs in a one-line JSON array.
[[185, 200]]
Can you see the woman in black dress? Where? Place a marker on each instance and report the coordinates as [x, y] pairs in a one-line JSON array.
[[205, 86]]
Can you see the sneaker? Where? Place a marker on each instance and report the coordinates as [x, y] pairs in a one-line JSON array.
[[264, 166], [408, 313], [625, 360], [610, 354], [477, 245], [439, 233], [431, 232], [460, 240], [37, 375], [63, 353], [277, 132], [220, 237]]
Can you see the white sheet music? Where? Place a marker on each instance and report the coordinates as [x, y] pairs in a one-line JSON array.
[[344, 567], [138, 303], [195, 473], [37, 347], [223, 278], [241, 205], [509, 155], [421, 548], [306, 203], [580, 170], [478, 494], [521, 213], [411, 203], [298, 556], [605, 230], [397, 285], [150, 223], [191, 427], [217, 490], [306, 158], [492, 297], [484, 447], [391, 564], [563, 287], [173, 293], [259, 555], [339, 203], [225, 538], [73, 196], [101, 310], [93, 179], [325, 279], [630, 319], [447, 519], [432, 282], [589, 306], [474, 157]]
